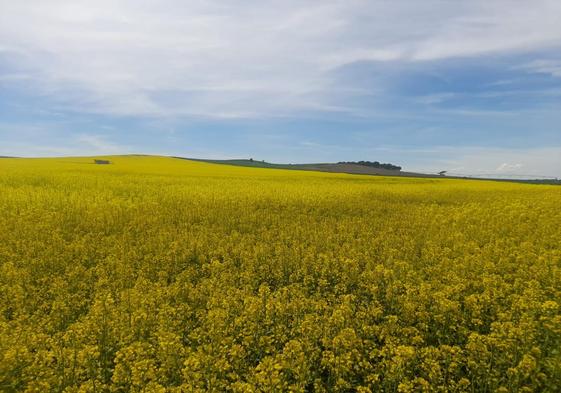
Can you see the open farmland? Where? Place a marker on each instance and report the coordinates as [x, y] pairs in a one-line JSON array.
[[155, 274]]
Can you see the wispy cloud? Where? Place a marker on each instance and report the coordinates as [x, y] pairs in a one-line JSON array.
[[475, 160], [410, 82], [544, 66], [506, 167], [245, 59], [52, 140], [100, 144]]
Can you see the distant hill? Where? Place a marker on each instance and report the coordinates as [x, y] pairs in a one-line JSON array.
[[245, 162], [352, 168], [358, 168], [374, 164]]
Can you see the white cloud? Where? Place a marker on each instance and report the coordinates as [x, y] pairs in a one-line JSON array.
[[490, 161], [244, 59], [40, 140], [506, 167], [544, 66], [99, 144]]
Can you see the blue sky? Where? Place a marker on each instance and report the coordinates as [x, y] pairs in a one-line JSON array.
[[467, 86]]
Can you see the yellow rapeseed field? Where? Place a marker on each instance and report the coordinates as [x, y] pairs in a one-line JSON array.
[[156, 274]]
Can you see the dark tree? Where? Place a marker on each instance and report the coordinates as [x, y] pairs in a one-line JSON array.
[[374, 164]]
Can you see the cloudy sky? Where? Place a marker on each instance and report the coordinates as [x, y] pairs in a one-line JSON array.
[[466, 86]]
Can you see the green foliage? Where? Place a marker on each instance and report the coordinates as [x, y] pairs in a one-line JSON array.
[[374, 164]]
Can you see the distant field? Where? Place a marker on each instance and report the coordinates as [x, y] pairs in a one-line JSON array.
[[349, 168], [156, 274], [356, 169]]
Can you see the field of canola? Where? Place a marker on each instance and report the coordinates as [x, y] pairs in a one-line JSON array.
[[155, 274]]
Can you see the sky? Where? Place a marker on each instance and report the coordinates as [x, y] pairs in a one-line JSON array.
[[471, 87]]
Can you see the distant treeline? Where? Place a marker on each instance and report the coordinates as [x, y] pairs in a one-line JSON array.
[[374, 164]]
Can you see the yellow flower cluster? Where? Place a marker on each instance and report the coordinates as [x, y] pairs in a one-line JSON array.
[[154, 274]]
